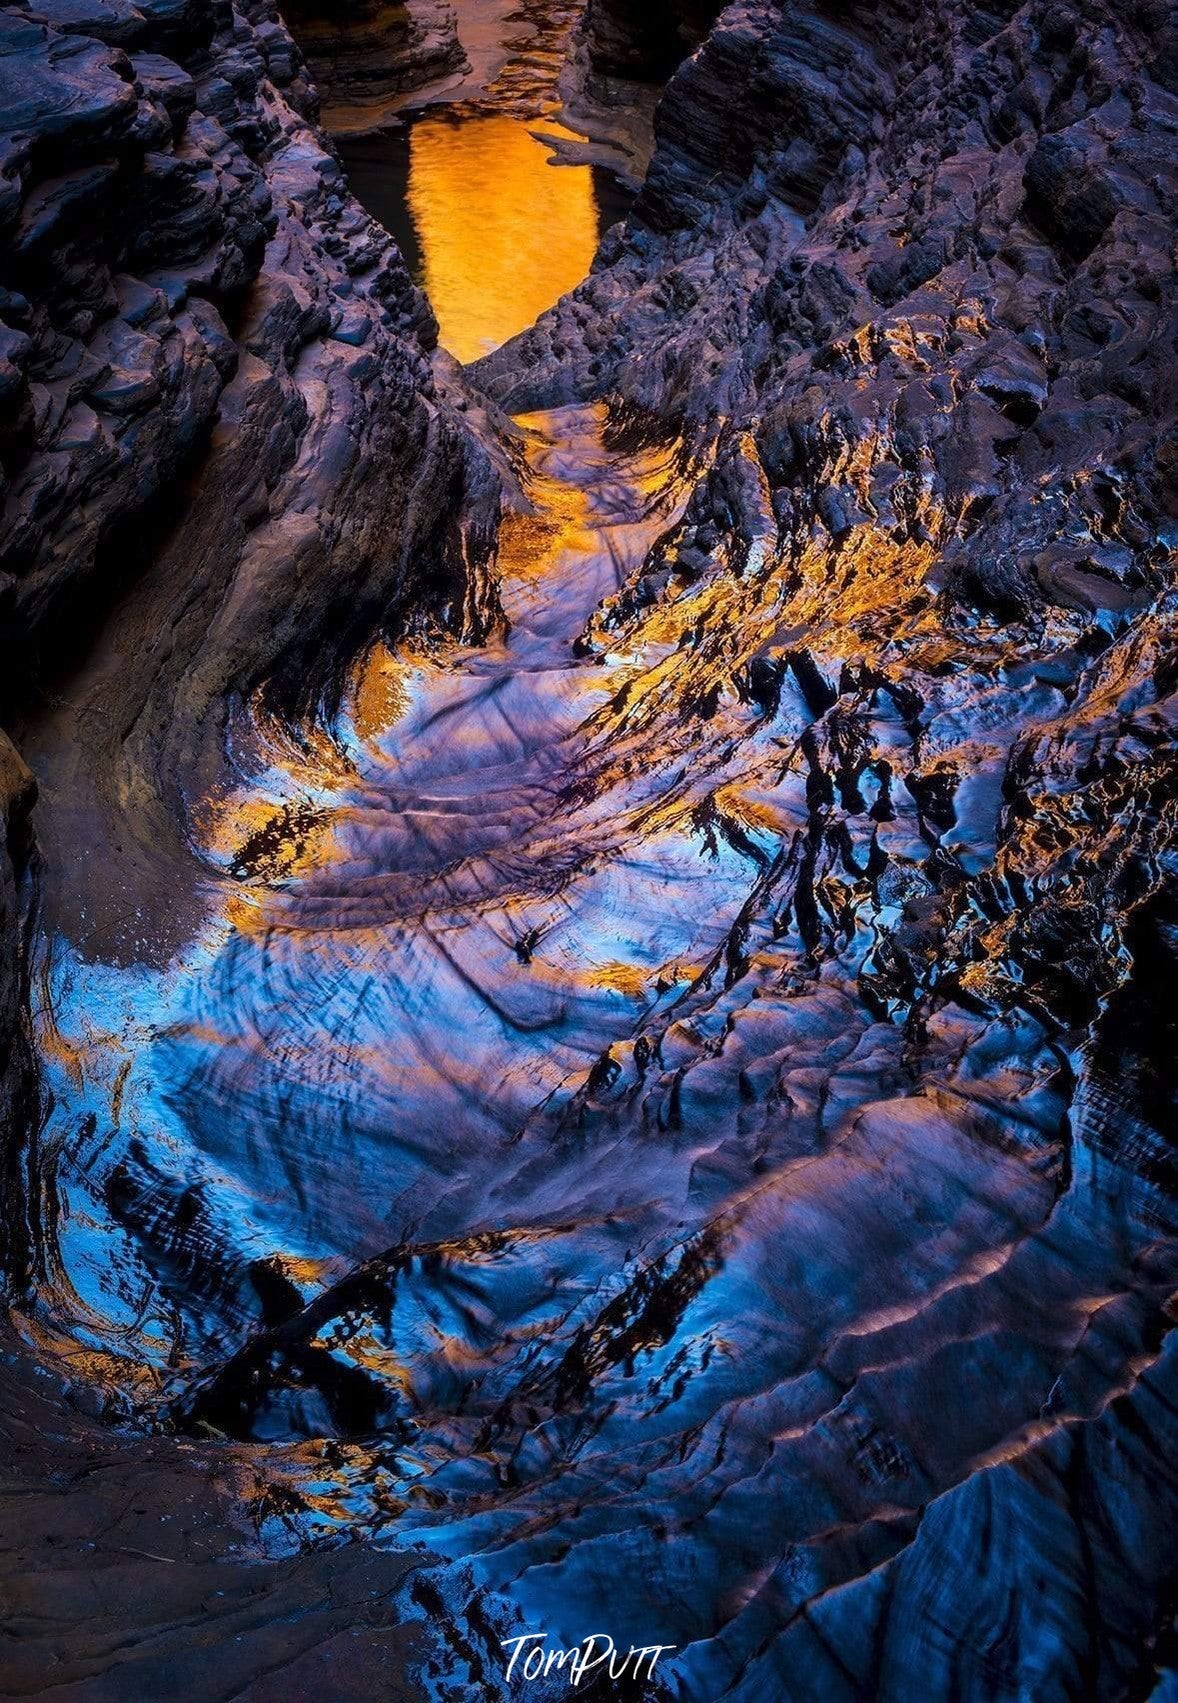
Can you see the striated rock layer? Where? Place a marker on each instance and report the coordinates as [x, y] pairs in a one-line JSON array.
[[619, 62], [653, 1114], [225, 459], [911, 300], [364, 54], [211, 352]]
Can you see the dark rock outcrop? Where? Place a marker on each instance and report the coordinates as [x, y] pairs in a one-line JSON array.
[[910, 299], [17, 1070], [226, 458], [621, 58], [219, 391], [646, 44], [364, 54]]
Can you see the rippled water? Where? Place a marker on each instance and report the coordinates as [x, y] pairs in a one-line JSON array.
[[507, 1168], [416, 947], [520, 1164]]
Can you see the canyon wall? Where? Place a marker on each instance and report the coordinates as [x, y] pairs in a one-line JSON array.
[[916, 290], [887, 1180], [621, 58], [227, 457], [902, 278], [365, 53], [644, 44]]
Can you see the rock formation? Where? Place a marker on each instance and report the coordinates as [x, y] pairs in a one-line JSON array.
[[911, 302], [621, 60], [363, 54], [17, 1080], [210, 350], [666, 1120], [916, 291], [226, 457], [644, 44]]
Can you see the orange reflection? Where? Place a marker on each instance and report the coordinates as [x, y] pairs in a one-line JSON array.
[[380, 695], [503, 234], [628, 979]]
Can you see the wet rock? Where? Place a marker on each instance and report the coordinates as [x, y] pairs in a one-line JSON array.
[[363, 54], [216, 392], [18, 793], [932, 299], [676, 1095], [218, 279]]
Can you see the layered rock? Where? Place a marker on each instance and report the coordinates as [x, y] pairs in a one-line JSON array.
[[227, 459], [17, 1073], [365, 54], [914, 290], [622, 57], [219, 390], [644, 45], [910, 300]]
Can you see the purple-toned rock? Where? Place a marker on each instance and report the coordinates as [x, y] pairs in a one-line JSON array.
[[364, 54]]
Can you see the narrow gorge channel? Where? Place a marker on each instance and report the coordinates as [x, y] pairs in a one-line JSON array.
[[460, 174], [591, 863]]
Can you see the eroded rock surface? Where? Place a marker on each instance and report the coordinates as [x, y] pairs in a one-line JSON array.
[[220, 395], [660, 1114], [364, 54], [620, 61], [227, 459]]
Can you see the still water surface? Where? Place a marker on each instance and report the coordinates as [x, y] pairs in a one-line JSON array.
[[493, 232], [493, 228]]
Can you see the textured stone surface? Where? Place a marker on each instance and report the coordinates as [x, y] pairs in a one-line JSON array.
[[17, 1071], [211, 352], [667, 1112], [225, 454], [131, 1567], [616, 70], [364, 54], [911, 301]]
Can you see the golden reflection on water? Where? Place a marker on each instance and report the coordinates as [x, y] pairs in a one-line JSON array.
[[503, 234]]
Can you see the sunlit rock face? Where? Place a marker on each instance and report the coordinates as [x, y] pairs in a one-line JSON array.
[[912, 300], [656, 1106]]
